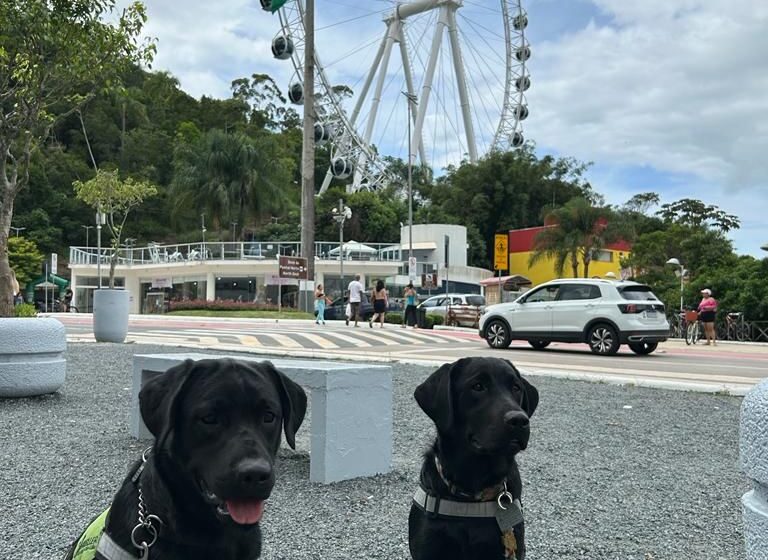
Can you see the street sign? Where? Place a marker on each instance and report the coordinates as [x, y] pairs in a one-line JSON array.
[[292, 267], [428, 281], [412, 269], [54, 263], [501, 251]]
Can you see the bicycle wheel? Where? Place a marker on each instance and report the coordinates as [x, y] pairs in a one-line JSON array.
[[692, 334]]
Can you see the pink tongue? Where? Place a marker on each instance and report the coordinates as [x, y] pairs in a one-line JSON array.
[[245, 512]]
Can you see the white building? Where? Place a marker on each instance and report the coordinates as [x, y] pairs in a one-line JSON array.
[[248, 271]]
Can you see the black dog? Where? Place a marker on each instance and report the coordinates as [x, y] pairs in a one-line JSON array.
[[199, 493], [468, 503]]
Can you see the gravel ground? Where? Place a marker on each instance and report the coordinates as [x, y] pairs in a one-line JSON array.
[[611, 472]]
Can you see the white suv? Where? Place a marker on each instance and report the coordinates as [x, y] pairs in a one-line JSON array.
[[601, 313]]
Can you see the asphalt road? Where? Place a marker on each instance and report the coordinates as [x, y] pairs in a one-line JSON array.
[[728, 367]]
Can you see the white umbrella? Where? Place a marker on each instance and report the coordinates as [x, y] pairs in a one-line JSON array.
[[354, 247]]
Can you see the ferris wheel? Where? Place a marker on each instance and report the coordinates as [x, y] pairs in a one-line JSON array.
[[453, 91]]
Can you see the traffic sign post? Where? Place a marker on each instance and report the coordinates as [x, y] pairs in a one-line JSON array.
[[289, 267], [412, 269], [501, 251]]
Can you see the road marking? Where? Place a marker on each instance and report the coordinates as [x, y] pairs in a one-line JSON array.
[[248, 340], [346, 338], [321, 341]]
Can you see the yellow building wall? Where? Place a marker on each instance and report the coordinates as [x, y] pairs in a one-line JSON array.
[[544, 270]]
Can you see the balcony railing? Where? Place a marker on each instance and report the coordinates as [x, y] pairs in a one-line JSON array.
[[232, 251]]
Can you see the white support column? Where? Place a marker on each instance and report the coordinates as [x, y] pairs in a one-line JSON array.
[[392, 33], [369, 79], [426, 89], [461, 82], [411, 91], [210, 286]]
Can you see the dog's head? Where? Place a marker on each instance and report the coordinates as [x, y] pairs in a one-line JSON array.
[[480, 404], [219, 423]]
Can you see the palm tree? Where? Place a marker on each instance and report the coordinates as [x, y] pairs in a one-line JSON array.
[[577, 230], [232, 177]]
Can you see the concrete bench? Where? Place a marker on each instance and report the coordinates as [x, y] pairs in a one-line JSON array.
[[351, 411]]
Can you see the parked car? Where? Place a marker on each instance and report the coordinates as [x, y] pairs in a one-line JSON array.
[[438, 305], [601, 313], [336, 310]]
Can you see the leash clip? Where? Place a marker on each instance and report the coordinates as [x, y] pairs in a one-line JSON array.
[[504, 494]]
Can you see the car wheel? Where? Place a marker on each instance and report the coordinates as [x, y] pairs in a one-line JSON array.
[[497, 334], [538, 344], [602, 339], [643, 348]]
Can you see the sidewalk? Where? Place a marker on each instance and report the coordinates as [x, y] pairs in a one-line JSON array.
[[611, 472]]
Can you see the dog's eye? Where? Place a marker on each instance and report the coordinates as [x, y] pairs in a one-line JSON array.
[[209, 419], [478, 387], [516, 388], [269, 417]]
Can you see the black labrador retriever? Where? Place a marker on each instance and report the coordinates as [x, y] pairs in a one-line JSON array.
[[468, 503], [199, 493]]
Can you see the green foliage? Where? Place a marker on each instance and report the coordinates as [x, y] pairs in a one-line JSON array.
[[694, 213], [25, 259], [394, 317], [115, 198], [25, 310], [232, 177]]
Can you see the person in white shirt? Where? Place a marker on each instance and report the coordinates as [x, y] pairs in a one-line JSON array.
[[355, 290]]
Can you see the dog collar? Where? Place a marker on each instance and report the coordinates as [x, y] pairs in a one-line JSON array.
[[452, 508], [486, 494]]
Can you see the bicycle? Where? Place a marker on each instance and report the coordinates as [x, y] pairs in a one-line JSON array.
[[693, 330], [736, 328]]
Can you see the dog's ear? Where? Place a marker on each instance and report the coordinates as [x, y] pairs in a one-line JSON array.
[[435, 396], [530, 393], [157, 399], [293, 400]]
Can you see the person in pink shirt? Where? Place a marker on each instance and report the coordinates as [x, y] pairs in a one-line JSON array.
[[707, 312]]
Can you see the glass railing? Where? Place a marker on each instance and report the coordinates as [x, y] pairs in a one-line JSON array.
[[156, 253]]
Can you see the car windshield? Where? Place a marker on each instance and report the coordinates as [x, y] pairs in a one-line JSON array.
[[475, 300], [637, 293]]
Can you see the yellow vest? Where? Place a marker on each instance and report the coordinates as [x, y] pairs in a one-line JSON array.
[[89, 540]]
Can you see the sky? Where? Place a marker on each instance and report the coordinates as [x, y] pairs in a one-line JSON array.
[[659, 96]]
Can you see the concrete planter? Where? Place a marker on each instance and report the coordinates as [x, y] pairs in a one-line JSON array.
[[753, 450], [110, 315], [31, 356]]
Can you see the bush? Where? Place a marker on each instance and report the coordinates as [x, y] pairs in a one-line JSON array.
[[394, 317], [220, 305], [25, 310]]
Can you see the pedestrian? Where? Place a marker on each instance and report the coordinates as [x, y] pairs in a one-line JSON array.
[[68, 296], [320, 300], [355, 290], [707, 313], [379, 297], [410, 306]]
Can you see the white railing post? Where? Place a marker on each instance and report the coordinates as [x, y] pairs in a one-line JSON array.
[[754, 463]]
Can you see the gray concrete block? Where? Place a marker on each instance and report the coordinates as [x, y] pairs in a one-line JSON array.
[[753, 450], [32, 358], [351, 419]]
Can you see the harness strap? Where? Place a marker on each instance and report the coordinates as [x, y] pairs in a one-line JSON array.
[[451, 508], [110, 550]]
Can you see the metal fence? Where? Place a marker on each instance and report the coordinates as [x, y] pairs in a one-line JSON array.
[[729, 326]]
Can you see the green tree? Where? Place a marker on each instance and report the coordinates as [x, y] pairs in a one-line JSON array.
[[54, 56], [25, 259], [694, 213], [576, 231], [115, 198], [232, 178], [505, 190]]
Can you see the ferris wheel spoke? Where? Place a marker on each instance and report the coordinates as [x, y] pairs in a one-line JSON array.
[[461, 67]]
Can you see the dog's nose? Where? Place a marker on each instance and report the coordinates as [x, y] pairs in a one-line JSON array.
[[516, 419], [253, 471]]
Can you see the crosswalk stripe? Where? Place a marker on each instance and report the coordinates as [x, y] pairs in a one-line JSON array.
[[321, 341], [283, 340], [402, 338], [248, 340], [383, 341], [347, 338]]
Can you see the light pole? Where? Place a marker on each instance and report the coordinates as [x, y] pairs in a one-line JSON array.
[[129, 244], [234, 230], [87, 230], [17, 230], [676, 263], [101, 219], [341, 214], [202, 230], [411, 98]]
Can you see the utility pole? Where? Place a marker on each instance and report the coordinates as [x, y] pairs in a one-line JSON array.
[[308, 152], [411, 102]]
